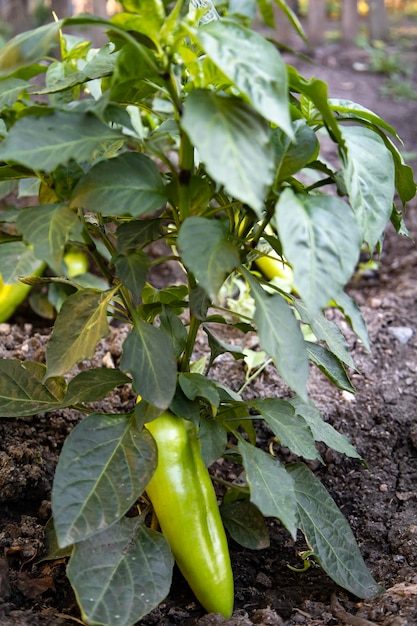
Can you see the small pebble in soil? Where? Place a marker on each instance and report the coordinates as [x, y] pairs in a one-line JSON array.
[[402, 334]]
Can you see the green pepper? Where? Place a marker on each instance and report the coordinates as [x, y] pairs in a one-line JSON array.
[[185, 504], [11, 296]]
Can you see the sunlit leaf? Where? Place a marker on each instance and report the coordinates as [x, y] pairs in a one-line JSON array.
[[23, 392], [253, 64], [84, 314], [43, 143], [230, 136], [313, 234], [369, 176]]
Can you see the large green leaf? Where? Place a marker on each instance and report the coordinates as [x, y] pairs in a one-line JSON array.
[[132, 269], [271, 487], [47, 228], [79, 326], [28, 48], [129, 184], [121, 574], [93, 385], [330, 536], [230, 137], [281, 337], [323, 431], [104, 466], [43, 143], [148, 355], [16, 260], [291, 430], [291, 155], [253, 64], [369, 176], [321, 240], [22, 391], [207, 252]]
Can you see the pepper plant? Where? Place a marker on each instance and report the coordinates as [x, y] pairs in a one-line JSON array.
[[189, 129]]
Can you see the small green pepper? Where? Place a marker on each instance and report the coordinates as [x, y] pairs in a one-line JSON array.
[[185, 503], [11, 296]]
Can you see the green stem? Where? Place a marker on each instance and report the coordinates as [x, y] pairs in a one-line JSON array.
[[186, 163], [191, 339]]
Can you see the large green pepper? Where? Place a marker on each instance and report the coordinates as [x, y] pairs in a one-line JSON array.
[[185, 503]]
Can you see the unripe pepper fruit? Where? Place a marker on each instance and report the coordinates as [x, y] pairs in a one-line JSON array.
[[11, 296], [185, 504]]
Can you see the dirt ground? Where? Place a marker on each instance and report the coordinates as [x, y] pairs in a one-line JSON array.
[[380, 503]]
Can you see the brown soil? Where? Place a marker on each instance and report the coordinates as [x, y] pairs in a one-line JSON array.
[[381, 420]]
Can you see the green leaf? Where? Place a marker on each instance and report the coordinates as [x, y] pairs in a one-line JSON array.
[[271, 487], [47, 228], [79, 326], [11, 88], [22, 391], [138, 233], [218, 346], [148, 355], [246, 524], [281, 337], [325, 330], [404, 174], [16, 261], [208, 252], [346, 109], [230, 137], [321, 241], [316, 91], [353, 315], [369, 176], [199, 386], [121, 574], [129, 184], [330, 366], [213, 439], [291, 155], [93, 385], [323, 431], [43, 143], [28, 48], [151, 14], [330, 536], [104, 466], [132, 269], [253, 64], [291, 430], [291, 16], [175, 329]]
